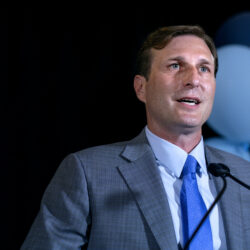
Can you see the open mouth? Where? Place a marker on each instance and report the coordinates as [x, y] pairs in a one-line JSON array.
[[189, 101]]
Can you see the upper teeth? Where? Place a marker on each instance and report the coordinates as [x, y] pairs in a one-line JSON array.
[[189, 101]]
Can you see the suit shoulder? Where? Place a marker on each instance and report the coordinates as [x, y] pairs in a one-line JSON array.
[[112, 154], [100, 149], [226, 156], [97, 155]]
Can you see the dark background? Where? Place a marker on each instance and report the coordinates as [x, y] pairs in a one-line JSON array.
[[67, 74]]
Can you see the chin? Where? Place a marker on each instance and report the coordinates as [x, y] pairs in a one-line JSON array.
[[191, 121], [191, 126]]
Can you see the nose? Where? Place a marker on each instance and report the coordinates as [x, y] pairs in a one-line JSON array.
[[191, 77]]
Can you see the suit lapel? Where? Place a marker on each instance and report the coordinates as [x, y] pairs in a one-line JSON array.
[[143, 179], [229, 206]]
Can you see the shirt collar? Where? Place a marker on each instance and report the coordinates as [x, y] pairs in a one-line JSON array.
[[173, 157]]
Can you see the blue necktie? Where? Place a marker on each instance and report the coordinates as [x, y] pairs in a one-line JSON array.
[[193, 209]]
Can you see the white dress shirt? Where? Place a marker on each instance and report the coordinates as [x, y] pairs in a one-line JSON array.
[[170, 159]]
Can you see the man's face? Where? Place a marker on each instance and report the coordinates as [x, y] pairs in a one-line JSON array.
[[180, 89]]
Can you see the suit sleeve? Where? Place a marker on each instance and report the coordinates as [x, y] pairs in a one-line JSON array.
[[63, 219]]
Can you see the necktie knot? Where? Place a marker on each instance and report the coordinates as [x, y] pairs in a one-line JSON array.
[[190, 166]]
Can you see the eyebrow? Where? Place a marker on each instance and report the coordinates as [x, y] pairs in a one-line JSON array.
[[180, 58]]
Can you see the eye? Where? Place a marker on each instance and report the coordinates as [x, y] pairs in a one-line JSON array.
[[174, 66], [204, 69]]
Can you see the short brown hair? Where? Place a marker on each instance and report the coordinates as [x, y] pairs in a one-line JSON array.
[[161, 37]]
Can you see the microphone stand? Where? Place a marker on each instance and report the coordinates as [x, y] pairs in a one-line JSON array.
[[207, 213], [240, 182]]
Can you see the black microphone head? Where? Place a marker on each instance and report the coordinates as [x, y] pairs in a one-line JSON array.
[[218, 169]]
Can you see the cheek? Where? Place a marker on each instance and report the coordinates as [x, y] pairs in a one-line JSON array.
[[212, 92], [160, 87], [209, 89], [159, 94]]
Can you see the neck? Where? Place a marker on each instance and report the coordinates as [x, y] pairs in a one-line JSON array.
[[187, 140]]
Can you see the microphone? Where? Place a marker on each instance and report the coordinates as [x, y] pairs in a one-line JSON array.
[[218, 170]]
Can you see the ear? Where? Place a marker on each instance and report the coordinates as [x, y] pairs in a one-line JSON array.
[[139, 86]]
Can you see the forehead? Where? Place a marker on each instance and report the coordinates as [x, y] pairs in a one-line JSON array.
[[185, 45]]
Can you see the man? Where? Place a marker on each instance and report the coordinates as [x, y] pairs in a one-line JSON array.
[[127, 195]]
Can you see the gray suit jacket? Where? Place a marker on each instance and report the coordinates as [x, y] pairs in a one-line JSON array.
[[112, 197]]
